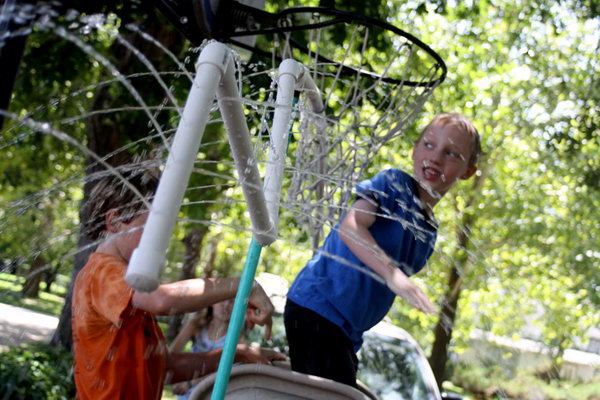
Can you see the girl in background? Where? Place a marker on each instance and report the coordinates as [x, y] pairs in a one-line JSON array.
[[206, 330]]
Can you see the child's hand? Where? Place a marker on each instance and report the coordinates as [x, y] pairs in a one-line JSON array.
[[409, 291], [257, 355], [260, 309], [180, 388]]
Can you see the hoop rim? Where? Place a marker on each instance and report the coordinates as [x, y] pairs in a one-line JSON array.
[[342, 16]]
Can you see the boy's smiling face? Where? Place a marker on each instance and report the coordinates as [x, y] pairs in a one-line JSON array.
[[441, 158]]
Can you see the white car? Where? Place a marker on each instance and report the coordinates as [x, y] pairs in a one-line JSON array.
[[393, 366]]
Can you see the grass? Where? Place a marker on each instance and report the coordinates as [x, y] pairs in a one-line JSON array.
[[167, 394], [47, 303]]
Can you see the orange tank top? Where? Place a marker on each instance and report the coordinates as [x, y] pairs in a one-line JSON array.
[[120, 351]]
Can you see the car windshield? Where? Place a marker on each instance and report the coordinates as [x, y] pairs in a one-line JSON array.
[[391, 369]]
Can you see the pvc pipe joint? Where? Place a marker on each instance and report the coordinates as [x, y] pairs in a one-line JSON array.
[[217, 54], [292, 67]]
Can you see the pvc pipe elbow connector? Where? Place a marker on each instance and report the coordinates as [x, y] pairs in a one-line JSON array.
[[217, 54], [292, 67], [303, 81]]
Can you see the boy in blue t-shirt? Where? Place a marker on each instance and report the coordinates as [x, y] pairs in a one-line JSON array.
[[388, 234]]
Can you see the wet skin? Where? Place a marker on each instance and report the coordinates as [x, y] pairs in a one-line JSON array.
[[441, 158]]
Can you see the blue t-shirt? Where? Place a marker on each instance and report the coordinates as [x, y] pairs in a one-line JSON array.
[[202, 343], [334, 283]]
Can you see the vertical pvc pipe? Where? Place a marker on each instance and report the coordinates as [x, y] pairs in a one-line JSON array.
[[145, 266], [290, 72], [230, 104], [314, 95], [236, 322], [316, 103]]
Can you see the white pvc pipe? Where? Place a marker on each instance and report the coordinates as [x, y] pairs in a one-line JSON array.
[[238, 134], [316, 102], [291, 75], [290, 72], [147, 261], [313, 94]]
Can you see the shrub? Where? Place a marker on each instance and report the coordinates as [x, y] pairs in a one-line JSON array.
[[36, 371]]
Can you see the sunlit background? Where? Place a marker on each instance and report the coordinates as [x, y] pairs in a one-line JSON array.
[[515, 272]]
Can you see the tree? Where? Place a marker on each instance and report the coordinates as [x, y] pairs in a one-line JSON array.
[[509, 68], [516, 245]]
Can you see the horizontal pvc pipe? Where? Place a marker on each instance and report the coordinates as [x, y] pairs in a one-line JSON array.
[[147, 261], [238, 134]]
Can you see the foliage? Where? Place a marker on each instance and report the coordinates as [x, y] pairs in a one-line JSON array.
[[39, 190], [36, 372], [491, 381], [48, 303], [526, 73], [525, 79]]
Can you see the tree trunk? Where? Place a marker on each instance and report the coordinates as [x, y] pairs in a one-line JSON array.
[[102, 140], [445, 325], [39, 265], [63, 335], [50, 275], [31, 287], [210, 267]]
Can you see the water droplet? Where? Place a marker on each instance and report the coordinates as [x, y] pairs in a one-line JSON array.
[[111, 354]]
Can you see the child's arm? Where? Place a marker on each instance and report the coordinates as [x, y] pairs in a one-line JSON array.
[[194, 294], [354, 232], [188, 366], [185, 334]]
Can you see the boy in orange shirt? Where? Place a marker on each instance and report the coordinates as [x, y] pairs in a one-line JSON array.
[[120, 351]]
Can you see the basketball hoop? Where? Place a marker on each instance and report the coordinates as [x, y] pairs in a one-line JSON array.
[[244, 25]]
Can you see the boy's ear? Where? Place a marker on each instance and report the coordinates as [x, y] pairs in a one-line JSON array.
[[111, 220], [470, 171]]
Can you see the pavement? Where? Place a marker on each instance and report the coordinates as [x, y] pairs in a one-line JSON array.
[[19, 326]]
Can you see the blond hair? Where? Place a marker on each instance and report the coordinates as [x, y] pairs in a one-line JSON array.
[[465, 126]]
